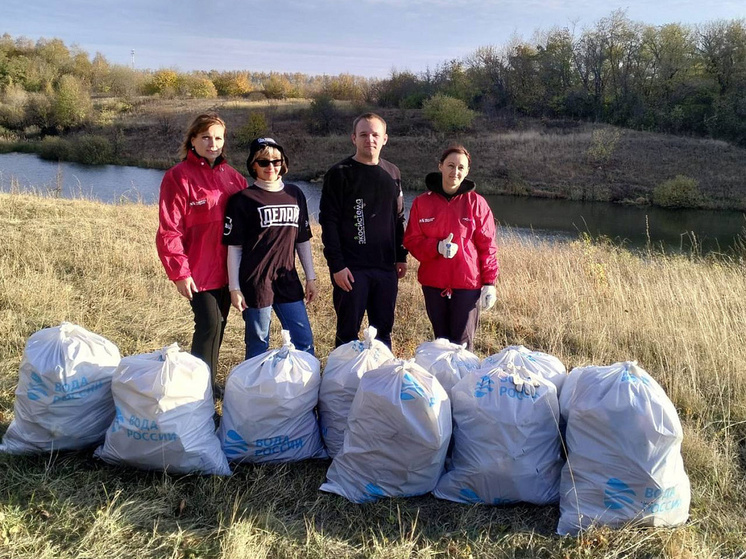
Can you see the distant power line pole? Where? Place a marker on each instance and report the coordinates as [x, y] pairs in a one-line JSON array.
[[132, 52]]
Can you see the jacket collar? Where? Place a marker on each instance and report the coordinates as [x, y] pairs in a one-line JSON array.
[[434, 183]]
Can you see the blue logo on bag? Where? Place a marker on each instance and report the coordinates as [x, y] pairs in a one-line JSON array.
[[410, 388], [116, 425], [634, 379], [484, 386], [37, 388], [373, 492], [469, 366], [234, 446], [470, 496], [618, 494]]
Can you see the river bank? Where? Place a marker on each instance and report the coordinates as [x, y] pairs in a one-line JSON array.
[[634, 227], [94, 264], [511, 155]]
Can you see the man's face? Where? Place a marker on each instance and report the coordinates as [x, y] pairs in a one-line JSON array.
[[369, 137]]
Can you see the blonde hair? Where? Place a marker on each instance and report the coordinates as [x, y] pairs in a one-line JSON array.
[[267, 151]]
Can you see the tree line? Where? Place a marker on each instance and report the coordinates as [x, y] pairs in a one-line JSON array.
[[673, 78], [49, 86]]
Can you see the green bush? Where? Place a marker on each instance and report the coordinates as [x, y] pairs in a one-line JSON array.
[[321, 114], [232, 84], [72, 104], [678, 192], [195, 86], [93, 150], [53, 148], [13, 107], [39, 111], [12, 116], [163, 83], [256, 126], [604, 142], [413, 101], [448, 114]]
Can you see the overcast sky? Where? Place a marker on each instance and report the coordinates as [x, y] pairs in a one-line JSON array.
[[361, 37]]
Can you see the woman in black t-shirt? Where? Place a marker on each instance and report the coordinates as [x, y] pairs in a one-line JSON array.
[[265, 226]]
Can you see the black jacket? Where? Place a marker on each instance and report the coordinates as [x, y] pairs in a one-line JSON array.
[[361, 213]]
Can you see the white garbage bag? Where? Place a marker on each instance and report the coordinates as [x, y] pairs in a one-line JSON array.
[[164, 415], [543, 364], [506, 441], [344, 368], [449, 362], [269, 406], [624, 461], [63, 399], [397, 436]]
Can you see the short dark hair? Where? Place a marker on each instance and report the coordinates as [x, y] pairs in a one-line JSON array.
[[455, 148], [367, 116], [199, 124]]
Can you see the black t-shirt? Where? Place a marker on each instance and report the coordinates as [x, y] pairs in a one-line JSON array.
[[362, 216], [268, 225]]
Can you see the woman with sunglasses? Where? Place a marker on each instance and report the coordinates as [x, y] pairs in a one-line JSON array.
[[191, 208], [265, 226]]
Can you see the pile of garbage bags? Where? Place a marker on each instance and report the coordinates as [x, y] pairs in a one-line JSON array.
[[602, 441]]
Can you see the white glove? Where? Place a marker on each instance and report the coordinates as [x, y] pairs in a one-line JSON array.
[[488, 297], [523, 380], [447, 248]]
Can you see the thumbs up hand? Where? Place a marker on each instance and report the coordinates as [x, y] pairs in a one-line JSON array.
[[447, 247]]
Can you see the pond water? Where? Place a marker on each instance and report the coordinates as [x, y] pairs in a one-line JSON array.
[[557, 219]]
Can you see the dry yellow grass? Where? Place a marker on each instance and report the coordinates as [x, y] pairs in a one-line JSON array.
[[683, 319]]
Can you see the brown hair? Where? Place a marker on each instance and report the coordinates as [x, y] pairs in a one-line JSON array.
[[266, 151], [455, 148], [367, 116], [199, 124]]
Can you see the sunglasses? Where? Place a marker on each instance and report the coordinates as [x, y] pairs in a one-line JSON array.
[[268, 162]]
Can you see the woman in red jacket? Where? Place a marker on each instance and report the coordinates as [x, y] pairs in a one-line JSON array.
[[451, 231], [193, 197]]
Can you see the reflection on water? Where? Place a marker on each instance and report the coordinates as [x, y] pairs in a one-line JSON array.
[[634, 226], [107, 183], [544, 218]]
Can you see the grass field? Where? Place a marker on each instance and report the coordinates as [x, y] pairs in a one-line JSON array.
[[682, 318]]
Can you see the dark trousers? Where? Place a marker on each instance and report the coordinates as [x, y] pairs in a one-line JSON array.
[[456, 317], [210, 313], [374, 291]]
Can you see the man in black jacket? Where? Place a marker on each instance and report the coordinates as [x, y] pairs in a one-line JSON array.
[[362, 227]]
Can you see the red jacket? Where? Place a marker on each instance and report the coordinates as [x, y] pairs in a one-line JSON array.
[[468, 216], [191, 212]]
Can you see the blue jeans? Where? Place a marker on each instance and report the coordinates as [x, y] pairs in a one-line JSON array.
[[293, 317]]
